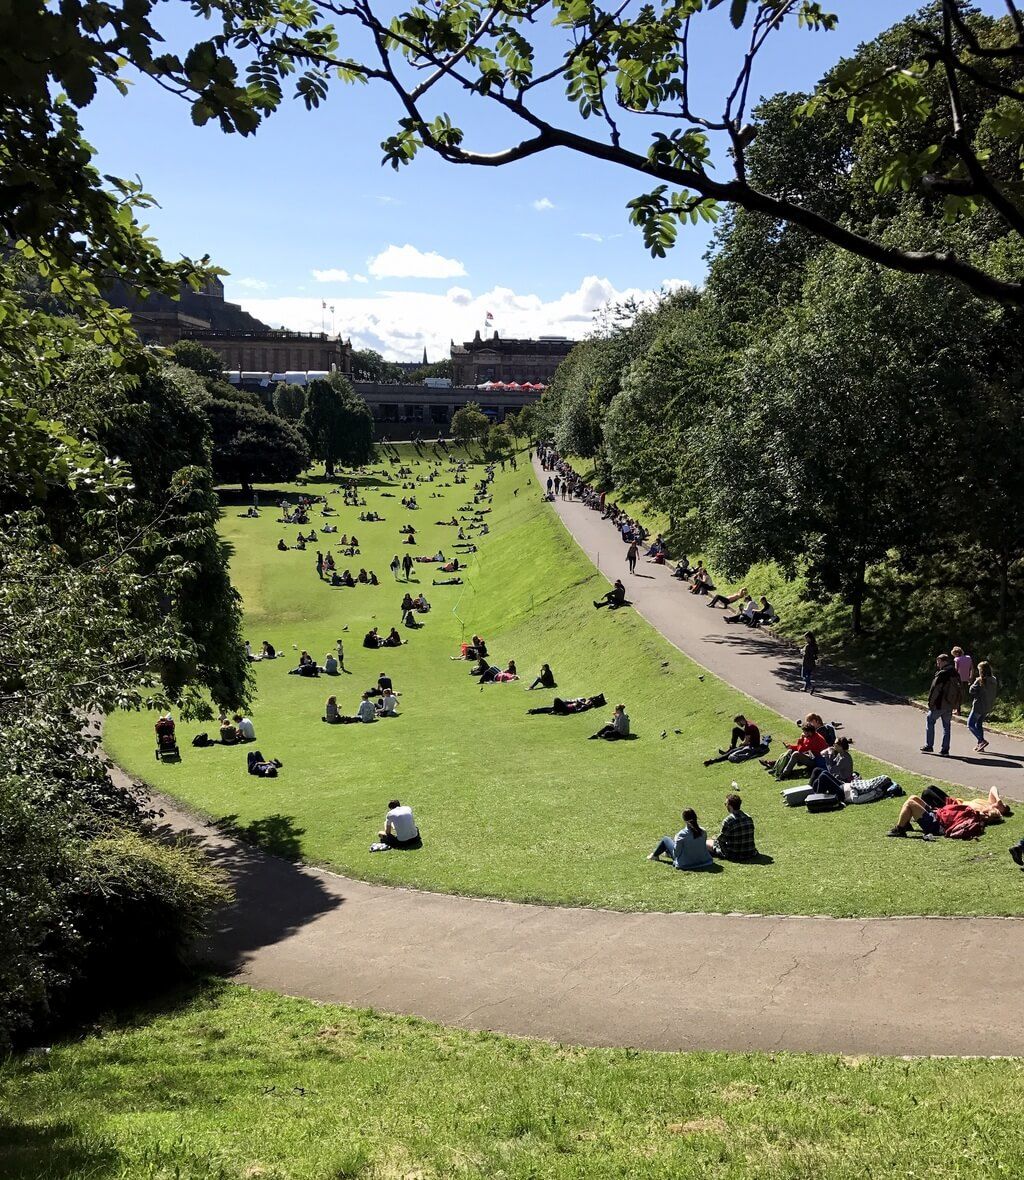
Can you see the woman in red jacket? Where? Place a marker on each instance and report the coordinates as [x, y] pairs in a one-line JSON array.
[[810, 744]]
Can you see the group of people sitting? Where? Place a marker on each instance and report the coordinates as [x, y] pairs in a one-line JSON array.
[[267, 652], [692, 848], [748, 612], [332, 665], [366, 712], [392, 639], [236, 729]]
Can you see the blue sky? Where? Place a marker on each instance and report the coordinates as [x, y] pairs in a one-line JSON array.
[[303, 211]]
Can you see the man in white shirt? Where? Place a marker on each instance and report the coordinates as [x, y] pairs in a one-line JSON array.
[[388, 703], [400, 830], [366, 711], [245, 727]]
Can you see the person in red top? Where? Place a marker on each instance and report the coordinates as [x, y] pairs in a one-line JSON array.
[[802, 755]]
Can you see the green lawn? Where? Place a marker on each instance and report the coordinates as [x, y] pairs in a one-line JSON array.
[[525, 807], [231, 1084]]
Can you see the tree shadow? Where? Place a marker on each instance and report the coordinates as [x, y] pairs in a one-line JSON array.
[[52, 1150], [273, 897], [274, 834]]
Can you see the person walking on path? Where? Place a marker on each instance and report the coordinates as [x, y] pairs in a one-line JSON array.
[[407, 566], [808, 660], [944, 696], [964, 665], [983, 693], [632, 553]]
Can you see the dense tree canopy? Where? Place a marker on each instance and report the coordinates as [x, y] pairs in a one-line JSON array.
[[469, 424], [338, 424]]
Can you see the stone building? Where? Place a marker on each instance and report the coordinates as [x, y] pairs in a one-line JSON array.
[[495, 359], [240, 339], [276, 351]]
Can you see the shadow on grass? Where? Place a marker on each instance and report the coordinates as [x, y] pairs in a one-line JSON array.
[[51, 1150], [275, 834]]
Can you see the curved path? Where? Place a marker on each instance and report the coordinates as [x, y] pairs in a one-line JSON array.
[[594, 977], [766, 668]]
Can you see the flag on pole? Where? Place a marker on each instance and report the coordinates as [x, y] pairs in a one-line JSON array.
[[323, 304], [489, 317]]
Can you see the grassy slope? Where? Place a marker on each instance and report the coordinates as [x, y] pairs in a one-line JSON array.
[[908, 626], [237, 1084], [524, 807]]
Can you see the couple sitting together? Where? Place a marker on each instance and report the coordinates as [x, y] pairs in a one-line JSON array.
[[692, 848]]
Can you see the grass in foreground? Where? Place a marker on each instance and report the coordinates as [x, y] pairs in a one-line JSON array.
[[523, 807], [234, 1084]]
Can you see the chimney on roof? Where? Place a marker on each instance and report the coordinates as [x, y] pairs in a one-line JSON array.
[[495, 336], [476, 337]]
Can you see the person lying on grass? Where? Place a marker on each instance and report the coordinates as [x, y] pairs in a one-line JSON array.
[[400, 830], [746, 742], [688, 849], [728, 599], [448, 582], [801, 756], [561, 708], [616, 729], [615, 597], [502, 675], [956, 819], [545, 678], [735, 840]]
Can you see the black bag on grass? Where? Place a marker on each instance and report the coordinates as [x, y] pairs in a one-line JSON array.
[[819, 802], [935, 797]]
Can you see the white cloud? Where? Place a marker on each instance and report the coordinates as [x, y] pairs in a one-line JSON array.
[[250, 284], [542, 205], [332, 275], [400, 324], [406, 262], [591, 237], [360, 279]]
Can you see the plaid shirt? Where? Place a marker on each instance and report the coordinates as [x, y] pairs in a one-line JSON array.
[[736, 839]]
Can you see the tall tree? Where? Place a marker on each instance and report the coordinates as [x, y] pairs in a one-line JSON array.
[[289, 401], [338, 424]]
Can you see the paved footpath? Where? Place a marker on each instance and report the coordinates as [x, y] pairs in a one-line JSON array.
[[767, 669], [594, 977]]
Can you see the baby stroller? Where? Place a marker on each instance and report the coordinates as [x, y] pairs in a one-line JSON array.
[[166, 743]]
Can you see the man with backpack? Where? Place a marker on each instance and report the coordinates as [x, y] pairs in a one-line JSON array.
[[944, 695]]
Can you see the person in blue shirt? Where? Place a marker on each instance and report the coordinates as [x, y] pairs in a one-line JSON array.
[[688, 848]]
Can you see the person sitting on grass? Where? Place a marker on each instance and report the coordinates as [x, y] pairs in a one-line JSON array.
[[746, 742], [562, 708], [802, 755], [764, 614], [688, 849], [409, 620], [330, 664], [735, 840], [728, 599], [682, 569], [400, 830], [366, 711], [228, 733], [835, 769], [387, 706], [420, 603], [508, 673], [307, 666], [545, 679], [282, 546], [956, 819], [616, 729], [615, 597], [393, 639], [406, 603], [1017, 854], [267, 651], [244, 728], [331, 713], [371, 638]]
